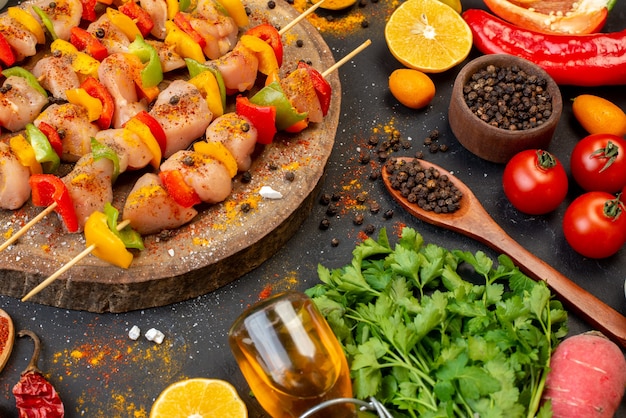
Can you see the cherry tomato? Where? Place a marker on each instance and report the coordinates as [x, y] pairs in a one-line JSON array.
[[594, 224], [535, 182], [598, 163]]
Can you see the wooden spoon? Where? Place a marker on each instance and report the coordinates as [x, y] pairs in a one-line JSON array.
[[472, 220], [5, 351]]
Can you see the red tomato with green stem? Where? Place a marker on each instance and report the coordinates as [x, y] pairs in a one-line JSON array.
[[598, 163], [535, 182], [594, 224]]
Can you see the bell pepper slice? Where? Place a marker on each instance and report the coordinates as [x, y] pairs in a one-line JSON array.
[[207, 84], [152, 72], [25, 153], [89, 10], [181, 20], [273, 95], [48, 189], [262, 117], [99, 150], [184, 5], [183, 44], [82, 63], [47, 22], [44, 153], [95, 89], [142, 130], [269, 34], [107, 246], [53, 137], [236, 11], [178, 189], [155, 128], [196, 68], [130, 237], [322, 87], [124, 23], [139, 15], [86, 42], [24, 73], [29, 23], [6, 52], [173, 7], [268, 64], [219, 152], [80, 97]]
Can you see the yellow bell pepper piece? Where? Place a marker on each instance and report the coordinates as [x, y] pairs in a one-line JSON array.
[[124, 23], [25, 154], [143, 132], [82, 63], [80, 97], [207, 84], [263, 51], [29, 23], [107, 246], [172, 8], [219, 152], [184, 45], [237, 11]]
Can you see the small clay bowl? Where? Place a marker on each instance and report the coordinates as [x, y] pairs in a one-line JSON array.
[[492, 143]]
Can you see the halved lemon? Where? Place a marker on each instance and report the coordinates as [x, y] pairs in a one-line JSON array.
[[199, 398], [428, 35]]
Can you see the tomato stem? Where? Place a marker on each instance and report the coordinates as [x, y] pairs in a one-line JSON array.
[[610, 152]]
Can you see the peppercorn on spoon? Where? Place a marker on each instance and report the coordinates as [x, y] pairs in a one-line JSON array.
[[472, 220]]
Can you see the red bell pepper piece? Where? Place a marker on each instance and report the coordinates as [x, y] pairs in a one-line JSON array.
[[6, 53], [180, 191], [139, 15], [181, 20], [322, 87], [95, 89], [155, 127], [53, 137], [89, 10], [262, 117], [47, 189], [86, 42], [269, 34]]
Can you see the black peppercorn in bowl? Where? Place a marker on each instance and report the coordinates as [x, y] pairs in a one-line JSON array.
[[501, 105]]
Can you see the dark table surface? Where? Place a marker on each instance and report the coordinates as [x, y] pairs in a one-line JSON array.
[[100, 372]]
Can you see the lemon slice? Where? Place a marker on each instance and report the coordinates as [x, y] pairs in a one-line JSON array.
[[201, 398], [428, 35]]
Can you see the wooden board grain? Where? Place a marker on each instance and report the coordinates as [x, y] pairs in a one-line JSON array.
[[220, 245]]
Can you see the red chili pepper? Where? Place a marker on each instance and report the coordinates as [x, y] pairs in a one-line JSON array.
[[85, 41], [6, 53], [89, 10], [322, 87], [155, 127], [176, 187], [139, 15], [48, 188], [269, 34], [181, 20], [581, 60], [95, 89], [262, 117], [53, 137], [34, 395]]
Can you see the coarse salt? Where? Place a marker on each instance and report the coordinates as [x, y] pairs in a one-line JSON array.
[[134, 332], [269, 193], [155, 335]]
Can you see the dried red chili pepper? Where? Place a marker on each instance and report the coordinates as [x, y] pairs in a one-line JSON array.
[[35, 397], [581, 60]]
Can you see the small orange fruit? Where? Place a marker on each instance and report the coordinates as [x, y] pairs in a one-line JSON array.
[[599, 115], [412, 88], [199, 397]]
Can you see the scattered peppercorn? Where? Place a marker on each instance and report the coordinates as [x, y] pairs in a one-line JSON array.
[[388, 214], [332, 210], [374, 174], [245, 207], [272, 166], [358, 219], [271, 4], [335, 197], [325, 199], [374, 207], [299, 43], [443, 148], [174, 100], [246, 176], [324, 224], [419, 154], [361, 197], [369, 229], [6, 88], [365, 24], [364, 157], [334, 242], [290, 176], [100, 33]]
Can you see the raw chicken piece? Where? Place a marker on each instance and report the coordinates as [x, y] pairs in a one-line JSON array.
[[128, 146], [238, 68], [157, 9], [113, 39], [150, 209], [14, 186], [64, 14], [19, 104], [237, 134], [22, 41], [300, 91], [55, 74]]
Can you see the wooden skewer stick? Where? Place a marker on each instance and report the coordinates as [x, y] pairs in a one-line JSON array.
[[29, 225], [67, 266], [299, 18], [347, 58]]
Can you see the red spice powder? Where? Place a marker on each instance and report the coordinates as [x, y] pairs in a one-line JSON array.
[[4, 333], [266, 292]]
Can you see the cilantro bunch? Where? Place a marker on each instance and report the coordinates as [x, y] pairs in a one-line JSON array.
[[436, 333]]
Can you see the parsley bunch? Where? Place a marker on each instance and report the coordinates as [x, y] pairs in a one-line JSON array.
[[436, 333]]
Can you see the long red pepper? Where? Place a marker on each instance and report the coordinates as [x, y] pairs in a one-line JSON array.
[[581, 60]]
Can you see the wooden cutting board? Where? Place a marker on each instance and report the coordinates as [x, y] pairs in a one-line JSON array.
[[220, 245]]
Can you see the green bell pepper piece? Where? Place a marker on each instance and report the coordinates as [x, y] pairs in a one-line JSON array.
[[24, 73], [99, 150], [130, 237], [152, 73], [44, 153], [194, 67], [47, 22], [273, 95]]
